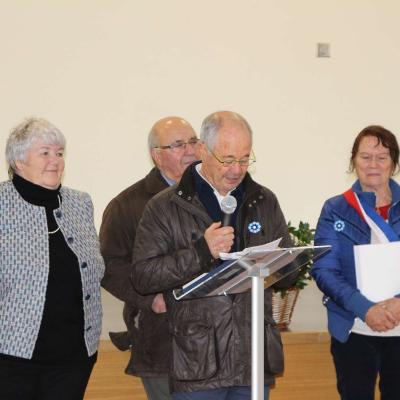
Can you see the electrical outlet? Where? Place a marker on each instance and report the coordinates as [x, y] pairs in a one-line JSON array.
[[323, 50]]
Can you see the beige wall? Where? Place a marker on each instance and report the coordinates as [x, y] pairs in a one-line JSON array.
[[104, 71]]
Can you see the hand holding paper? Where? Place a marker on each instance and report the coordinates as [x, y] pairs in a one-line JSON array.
[[392, 305], [380, 319]]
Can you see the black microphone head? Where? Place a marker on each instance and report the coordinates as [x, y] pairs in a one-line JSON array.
[[228, 204]]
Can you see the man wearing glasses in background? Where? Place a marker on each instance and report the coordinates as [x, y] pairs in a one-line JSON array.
[[173, 146], [180, 237]]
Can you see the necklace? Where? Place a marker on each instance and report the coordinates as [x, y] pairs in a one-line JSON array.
[[58, 228], [55, 230]]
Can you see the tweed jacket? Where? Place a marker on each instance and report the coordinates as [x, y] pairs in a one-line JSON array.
[[24, 266], [211, 337]]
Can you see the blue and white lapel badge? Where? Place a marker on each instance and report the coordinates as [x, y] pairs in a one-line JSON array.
[[254, 227], [338, 225]]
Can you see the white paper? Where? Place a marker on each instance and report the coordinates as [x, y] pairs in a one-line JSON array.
[[378, 270], [234, 256]]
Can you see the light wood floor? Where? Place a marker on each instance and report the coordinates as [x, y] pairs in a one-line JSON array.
[[309, 372]]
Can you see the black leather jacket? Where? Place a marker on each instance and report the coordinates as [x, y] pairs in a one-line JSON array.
[[211, 337]]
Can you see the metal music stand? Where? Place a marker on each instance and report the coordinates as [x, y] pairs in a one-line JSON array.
[[255, 270]]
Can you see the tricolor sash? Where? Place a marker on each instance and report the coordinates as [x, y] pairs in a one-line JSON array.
[[381, 231]]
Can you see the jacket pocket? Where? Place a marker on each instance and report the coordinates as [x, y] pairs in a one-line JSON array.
[[193, 350], [273, 355]]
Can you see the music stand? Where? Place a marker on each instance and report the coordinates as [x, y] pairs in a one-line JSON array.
[[256, 270]]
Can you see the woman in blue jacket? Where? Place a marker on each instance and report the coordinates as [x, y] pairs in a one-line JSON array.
[[365, 334]]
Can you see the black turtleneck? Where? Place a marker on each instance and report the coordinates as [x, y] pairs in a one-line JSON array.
[[61, 336]]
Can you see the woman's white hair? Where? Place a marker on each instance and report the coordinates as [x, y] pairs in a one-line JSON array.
[[24, 135]]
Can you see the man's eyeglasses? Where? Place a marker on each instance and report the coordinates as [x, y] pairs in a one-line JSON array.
[[179, 144], [230, 161]]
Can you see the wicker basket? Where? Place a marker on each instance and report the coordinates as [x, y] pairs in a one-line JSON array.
[[282, 308]]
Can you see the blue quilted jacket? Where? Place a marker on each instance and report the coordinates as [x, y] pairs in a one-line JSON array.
[[341, 227], [24, 266]]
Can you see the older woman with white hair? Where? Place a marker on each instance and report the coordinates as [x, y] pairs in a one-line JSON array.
[[50, 272]]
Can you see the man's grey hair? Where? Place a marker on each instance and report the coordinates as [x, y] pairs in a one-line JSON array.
[[24, 135], [214, 122], [152, 139]]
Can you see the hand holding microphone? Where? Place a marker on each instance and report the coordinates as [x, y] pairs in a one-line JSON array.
[[228, 207], [219, 235]]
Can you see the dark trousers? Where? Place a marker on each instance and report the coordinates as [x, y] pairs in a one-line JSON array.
[[28, 381], [156, 388], [360, 360]]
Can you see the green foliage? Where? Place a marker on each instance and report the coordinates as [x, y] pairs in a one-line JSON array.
[[302, 235]]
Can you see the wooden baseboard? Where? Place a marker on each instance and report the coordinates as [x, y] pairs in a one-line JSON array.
[[305, 337]]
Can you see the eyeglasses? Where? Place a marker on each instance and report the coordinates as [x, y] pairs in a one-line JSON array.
[[378, 158], [179, 144], [230, 161]]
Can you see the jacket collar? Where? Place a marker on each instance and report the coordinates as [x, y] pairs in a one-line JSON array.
[[186, 188], [154, 182], [370, 198]]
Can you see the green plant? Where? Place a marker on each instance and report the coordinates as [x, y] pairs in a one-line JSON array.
[[302, 235]]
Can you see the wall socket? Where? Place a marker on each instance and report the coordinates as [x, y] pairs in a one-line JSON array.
[[323, 50]]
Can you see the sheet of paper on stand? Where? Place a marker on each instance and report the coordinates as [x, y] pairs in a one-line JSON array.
[[234, 256]]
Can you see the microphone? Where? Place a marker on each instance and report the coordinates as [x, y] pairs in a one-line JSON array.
[[228, 207]]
